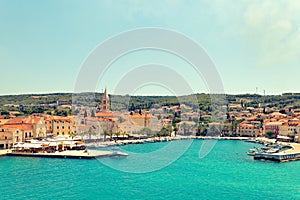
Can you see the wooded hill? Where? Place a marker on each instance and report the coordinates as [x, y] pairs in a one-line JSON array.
[[119, 102]]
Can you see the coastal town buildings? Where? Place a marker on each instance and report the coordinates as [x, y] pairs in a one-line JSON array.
[[237, 119], [290, 130], [186, 128], [58, 125], [129, 127], [249, 130], [9, 135]]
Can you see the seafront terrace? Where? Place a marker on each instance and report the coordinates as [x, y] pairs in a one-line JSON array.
[[4, 152], [73, 154]]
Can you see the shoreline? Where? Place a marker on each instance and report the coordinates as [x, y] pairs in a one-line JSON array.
[[91, 154], [162, 139], [73, 154]]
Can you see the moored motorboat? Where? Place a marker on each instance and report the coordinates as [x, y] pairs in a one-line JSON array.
[[252, 152]]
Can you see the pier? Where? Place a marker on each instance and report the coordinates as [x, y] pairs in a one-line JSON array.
[[279, 157], [282, 156], [4, 152], [89, 154]]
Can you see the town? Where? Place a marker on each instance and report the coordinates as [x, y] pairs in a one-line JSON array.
[[101, 123]]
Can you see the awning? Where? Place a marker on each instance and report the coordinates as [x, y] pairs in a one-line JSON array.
[[283, 137]]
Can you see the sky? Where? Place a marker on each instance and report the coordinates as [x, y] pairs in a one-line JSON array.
[[254, 44]]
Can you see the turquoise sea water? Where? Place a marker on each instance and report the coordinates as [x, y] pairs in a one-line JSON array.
[[226, 173]]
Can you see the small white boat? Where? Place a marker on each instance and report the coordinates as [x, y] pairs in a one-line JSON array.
[[253, 152], [116, 152]]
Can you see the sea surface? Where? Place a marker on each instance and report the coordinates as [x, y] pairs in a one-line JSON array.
[[225, 173]]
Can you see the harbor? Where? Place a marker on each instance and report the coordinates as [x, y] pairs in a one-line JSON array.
[[275, 151], [160, 139], [72, 148]]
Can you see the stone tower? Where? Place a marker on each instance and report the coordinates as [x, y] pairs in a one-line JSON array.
[[105, 102]]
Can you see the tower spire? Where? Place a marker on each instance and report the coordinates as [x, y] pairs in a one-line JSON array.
[[105, 101]]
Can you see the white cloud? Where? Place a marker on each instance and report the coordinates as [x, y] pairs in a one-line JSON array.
[[272, 26]]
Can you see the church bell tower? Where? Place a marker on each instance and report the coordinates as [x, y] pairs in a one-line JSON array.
[[105, 102]]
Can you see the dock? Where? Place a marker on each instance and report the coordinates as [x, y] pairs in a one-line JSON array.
[[279, 157], [284, 156], [89, 154], [4, 152]]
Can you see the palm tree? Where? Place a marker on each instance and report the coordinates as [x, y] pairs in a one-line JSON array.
[[110, 135], [90, 132], [117, 134], [72, 135]]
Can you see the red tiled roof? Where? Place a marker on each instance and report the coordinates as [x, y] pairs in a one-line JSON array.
[[24, 127]]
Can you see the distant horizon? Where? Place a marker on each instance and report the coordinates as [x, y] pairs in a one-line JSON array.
[[159, 95]]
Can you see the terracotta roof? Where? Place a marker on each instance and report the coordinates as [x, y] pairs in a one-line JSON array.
[[23, 127], [274, 123], [129, 123], [17, 120], [253, 118], [137, 116], [107, 114], [247, 125]]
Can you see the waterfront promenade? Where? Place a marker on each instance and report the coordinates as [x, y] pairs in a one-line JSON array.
[[4, 152], [160, 139], [74, 154]]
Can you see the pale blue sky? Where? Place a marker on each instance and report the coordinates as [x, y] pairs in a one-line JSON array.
[[253, 43]]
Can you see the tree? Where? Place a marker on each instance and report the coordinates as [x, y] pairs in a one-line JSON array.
[[175, 129], [110, 133], [227, 116], [121, 119], [85, 114], [132, 107], [72, 135], [165, 131], [117, 134], [145, 131], [202, 130], [4, 112], [75, 112], [105, 132], [270, 133], [63, 113], [49, 112], [169, 129], [91, 132], [93, 113]]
